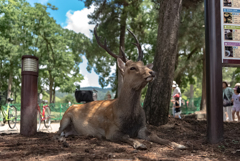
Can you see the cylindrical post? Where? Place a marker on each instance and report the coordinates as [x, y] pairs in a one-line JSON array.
[[29, 95], [213, 71]]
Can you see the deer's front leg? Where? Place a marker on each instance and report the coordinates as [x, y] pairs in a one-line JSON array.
[[117, 136], [134, 143], [145, 134]]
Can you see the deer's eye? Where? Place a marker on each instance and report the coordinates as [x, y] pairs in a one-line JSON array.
[[132, 68]]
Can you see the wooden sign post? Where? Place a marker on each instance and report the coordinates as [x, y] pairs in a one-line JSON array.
[[213, 71], [222, 26]]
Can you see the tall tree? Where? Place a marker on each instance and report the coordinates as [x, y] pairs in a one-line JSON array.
[[113, 17], [13, 30], [190, 45], [27, 30], [157, 102]]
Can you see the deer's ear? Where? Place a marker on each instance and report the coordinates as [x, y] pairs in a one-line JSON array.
[[150, 66], [121, 65]]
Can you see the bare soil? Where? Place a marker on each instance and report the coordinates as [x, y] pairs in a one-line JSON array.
[[188, 131]]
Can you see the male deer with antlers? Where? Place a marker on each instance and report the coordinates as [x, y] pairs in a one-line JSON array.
[[120, 119]]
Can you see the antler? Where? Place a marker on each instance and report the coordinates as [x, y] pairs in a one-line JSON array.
[[123, 55], [106, 48], [140, 52]]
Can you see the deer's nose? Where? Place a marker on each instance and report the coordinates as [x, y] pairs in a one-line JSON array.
[[152, 73]]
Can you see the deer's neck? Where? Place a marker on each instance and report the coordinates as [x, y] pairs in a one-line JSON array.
[[129, 99]]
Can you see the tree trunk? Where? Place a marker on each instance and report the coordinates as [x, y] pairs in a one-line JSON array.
[[54, 90], [191, 95], [1, 75], [157, 101], [122, 44], [203, 101], [50, 87], [9, 85], [15, 97]]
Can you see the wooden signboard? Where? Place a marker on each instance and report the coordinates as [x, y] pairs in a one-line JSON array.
[[230, 27]]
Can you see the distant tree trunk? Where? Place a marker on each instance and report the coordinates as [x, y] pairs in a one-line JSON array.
[[9, 85], [50, 87], [191, 95], [54, 90], [122, 44], [116, 81], [157, 101], [15, 96], [203, 101], [1, 74]]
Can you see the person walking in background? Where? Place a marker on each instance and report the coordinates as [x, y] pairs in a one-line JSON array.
[[236, 102], [177, 108], [176, 90], [227, 103]]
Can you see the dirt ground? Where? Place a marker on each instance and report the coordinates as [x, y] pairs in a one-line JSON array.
[[188, 131]]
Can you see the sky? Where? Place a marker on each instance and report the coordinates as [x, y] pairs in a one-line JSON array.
[[72, 14]]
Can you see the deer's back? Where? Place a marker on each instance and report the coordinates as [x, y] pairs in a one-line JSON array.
[[91, 118]]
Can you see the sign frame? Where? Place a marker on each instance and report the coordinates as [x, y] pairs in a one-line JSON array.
[[229, 62]]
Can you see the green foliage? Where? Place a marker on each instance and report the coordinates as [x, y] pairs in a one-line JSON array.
[[114, 18], [197, 88], [68, 98], [27, 30], [189, 63], [231, 75], [60, 94]]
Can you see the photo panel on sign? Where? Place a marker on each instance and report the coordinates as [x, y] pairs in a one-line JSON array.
[[227, 17], [230, 24], [227, 3], [228, 34]]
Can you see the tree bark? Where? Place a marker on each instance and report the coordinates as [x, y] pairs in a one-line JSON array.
[[50, 87], [203, 101], [1, 75], [9, 85], [157, 101], [54, 90], [15, 97], [191, 95], [122, 44]]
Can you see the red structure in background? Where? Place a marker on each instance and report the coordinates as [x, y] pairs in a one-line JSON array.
[[29, 95]]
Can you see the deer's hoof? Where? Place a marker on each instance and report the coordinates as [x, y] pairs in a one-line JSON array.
[[179, 146], [182, 147], [140, 147], [62, 139], [59, 138]]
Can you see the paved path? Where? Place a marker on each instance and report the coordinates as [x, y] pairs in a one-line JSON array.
[[53, 128]]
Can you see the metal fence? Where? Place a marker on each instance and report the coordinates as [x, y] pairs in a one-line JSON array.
[[57, 109], [189, 106]]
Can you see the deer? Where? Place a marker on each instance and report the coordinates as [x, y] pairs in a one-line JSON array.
[[121, 119]]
